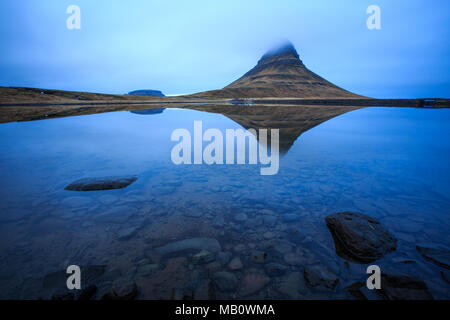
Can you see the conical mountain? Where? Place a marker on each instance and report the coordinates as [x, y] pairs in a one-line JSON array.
[[280, 73]]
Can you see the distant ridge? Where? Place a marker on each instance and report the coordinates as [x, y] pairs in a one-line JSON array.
[[147, 93], [280, 73]]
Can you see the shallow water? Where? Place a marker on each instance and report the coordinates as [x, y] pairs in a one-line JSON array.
[[389, 163]]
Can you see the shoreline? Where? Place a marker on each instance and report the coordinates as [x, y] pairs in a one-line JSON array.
[[21, 112], [417, 103]]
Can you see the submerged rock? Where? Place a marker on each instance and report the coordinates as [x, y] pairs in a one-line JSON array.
[[87, 293], [225, 281], [208, 244], [359, 238], [260, 257], [235, 264], [147, 270], [439, 256], [446, 276], [399, 287], [127, 232], [203, 257], [293, 285], [96, 184], [269, 235], [275, 269], [124, 291], [321, 277], [393, 287], [252, 283], [224, 257], [69, 296]]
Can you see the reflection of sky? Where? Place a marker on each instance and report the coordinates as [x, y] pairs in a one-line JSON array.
[[190, 46], [406, 143], [127, 139]]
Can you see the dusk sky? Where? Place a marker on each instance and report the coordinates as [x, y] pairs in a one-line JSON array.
[[190, 46]]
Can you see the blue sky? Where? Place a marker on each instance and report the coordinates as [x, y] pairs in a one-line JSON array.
[[191, 46]]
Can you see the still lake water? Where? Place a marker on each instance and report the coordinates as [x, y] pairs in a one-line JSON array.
[[389, 163]]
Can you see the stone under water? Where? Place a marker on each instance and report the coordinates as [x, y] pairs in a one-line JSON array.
[[97, 184], [360, 238]]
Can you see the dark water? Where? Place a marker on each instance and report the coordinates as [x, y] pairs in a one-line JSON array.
[[389, 163]]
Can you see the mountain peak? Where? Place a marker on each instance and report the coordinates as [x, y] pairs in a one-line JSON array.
[[286, 48], [280, 73]]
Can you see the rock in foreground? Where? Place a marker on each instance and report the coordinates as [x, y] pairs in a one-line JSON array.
[[393, 287], [400, 287], [97, 184], [359, 238], [320, 277]]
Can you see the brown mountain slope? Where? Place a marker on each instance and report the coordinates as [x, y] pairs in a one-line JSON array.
[[280, 73]]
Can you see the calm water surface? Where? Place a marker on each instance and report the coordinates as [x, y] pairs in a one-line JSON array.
[[389, 163]]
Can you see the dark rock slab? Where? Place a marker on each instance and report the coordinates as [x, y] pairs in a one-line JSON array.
[[320, 277], [87, 293], [123, 291], [439, 256], [400, 287], [356, 290], [97, 184], [359, 238], [69, 296], [393, 287]]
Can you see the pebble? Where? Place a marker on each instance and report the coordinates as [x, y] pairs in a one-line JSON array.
[[235, 264]]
